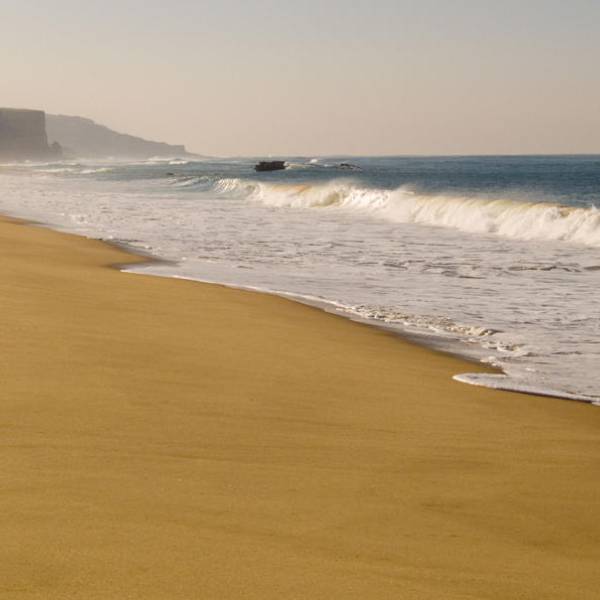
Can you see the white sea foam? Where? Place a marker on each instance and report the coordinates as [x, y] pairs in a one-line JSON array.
[[502, 382], [506, 218], [530, 309], [59, 170], [93, 171]]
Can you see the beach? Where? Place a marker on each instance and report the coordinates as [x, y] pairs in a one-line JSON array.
[[167, 439], [484, 270]]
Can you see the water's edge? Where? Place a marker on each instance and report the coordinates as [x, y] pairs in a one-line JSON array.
[[494, 260], [495, 378]]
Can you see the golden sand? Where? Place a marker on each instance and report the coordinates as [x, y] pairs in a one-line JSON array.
[[164, 439]]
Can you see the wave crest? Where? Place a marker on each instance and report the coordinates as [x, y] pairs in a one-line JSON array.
[[505, 217]]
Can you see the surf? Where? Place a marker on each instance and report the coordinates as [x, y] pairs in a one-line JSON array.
[[509, 218]]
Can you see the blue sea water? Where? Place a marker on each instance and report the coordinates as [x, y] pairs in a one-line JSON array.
[[570, 180], [494, 258]]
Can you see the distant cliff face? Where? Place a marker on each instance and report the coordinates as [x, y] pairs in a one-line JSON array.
[[85, 139], [23, 135]]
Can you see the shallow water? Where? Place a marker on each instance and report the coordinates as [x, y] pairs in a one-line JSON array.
[[494, 258]]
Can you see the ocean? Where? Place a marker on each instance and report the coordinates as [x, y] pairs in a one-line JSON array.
[[496, 259]]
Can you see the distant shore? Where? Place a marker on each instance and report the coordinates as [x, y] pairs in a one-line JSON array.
[[168, 439]]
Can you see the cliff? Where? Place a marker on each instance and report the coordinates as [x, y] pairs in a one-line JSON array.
[[23, 135], [86, 139]]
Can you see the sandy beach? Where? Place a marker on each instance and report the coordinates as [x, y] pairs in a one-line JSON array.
[[164, 439]]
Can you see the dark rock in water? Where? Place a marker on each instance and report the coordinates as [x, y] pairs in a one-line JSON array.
[[56, 149], [350, 166], [169, 174], [270, 165]]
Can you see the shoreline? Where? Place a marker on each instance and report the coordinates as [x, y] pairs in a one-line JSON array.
[[433, 343], [166, 438], [521, 360], [148, 259]]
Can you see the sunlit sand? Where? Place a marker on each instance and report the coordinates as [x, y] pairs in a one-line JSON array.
[[169, 439]]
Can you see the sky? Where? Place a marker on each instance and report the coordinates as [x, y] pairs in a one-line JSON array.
[[266, 78]]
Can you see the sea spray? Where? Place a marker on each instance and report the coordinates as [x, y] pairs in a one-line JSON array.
[[504, 217]]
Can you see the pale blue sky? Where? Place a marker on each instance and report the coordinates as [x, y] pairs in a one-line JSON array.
[[265, 77]]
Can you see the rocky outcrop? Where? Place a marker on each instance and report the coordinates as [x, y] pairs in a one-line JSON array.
[[23, 135], [270, 165], [84, 138]]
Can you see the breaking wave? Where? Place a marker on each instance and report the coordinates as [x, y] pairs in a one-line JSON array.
[[503, 217], [190, 181]]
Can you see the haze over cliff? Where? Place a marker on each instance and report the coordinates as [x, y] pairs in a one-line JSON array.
[[23, 135], [84, 138]]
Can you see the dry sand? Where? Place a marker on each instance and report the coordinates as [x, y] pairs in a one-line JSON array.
[[164, 439]]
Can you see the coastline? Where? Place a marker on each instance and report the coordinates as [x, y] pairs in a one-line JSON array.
[[535, 352], [180, 439]]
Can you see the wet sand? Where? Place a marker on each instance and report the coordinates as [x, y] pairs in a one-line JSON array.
[[164, 439]]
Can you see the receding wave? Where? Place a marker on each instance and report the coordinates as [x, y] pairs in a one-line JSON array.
[[504, 217], [503, 382]]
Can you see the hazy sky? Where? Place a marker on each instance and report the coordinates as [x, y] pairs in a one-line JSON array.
[[267, 77]]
